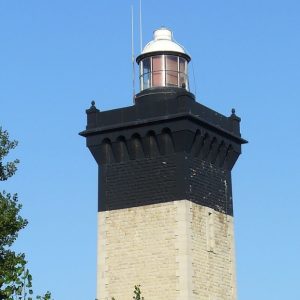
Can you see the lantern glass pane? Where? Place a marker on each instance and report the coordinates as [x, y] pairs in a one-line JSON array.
[[171, 70], [146, 65], [158, 70]]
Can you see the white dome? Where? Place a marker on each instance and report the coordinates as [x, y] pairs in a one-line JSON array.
[[163, 41]]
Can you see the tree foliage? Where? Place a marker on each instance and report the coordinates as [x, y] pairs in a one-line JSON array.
[[7, 169], [15, 279], [137, 293]]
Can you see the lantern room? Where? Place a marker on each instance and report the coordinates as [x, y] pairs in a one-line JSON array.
[[163, 62]]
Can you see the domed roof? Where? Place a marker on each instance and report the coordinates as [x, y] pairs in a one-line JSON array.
[[163, 42]]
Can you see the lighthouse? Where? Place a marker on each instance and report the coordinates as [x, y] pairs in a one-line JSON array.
[[165, 208]]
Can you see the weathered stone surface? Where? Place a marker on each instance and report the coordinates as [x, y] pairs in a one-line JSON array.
[[174, 250]]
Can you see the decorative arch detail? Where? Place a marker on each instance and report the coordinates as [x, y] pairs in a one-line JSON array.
[[106, 151], [201, 144]]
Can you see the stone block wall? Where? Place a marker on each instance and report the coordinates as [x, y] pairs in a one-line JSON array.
[[176, 250]]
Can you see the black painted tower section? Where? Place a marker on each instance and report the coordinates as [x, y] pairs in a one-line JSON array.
[[166, 147]]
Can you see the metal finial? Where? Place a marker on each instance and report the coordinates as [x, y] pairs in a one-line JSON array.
[[92, 108]]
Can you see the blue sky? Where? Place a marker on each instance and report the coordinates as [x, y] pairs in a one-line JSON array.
[[57, 56]]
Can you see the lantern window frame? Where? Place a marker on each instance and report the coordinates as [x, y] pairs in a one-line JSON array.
[[163, 72]]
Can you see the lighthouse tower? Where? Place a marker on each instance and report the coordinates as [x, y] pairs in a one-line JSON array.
[[165, 214]]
